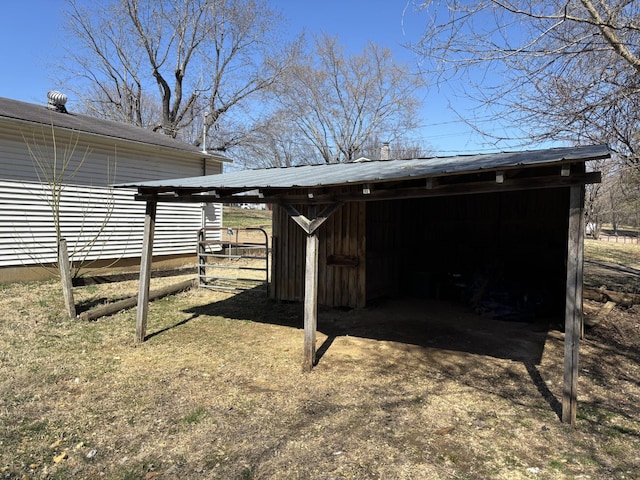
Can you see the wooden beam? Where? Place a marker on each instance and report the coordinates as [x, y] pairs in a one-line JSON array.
[[323, 215], [302, 221], [145, 271], [624, 299], [434, 188], [115, 307], [573, 305], [310, 302], [310, 225]]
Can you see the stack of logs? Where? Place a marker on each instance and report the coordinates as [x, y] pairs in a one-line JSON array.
[[603, 295], [610, 299]]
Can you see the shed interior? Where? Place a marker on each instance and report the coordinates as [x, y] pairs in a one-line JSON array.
[[502, 253]]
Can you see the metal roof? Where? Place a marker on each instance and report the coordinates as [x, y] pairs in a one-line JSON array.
[[40, 114], [310, 176]]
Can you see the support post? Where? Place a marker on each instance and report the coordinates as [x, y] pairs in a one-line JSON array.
[[65, 277], [573, 305], [310, 225], [310, 302], [145, 271], [202, 259]]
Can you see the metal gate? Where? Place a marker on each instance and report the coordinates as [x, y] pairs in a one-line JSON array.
[[239, 262]]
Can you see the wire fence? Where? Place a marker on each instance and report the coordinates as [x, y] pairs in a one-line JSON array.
[[619, 238]]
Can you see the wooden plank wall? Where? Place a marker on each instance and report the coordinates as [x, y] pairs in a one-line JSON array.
[[341, 237], [342, 257], [288, 247], [384, 248], [509, 237], [413, 247]]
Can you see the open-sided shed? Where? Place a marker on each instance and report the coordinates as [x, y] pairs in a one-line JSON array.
[[429, 227]]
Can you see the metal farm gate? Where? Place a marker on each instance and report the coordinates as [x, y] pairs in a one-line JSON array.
[[239, 262]]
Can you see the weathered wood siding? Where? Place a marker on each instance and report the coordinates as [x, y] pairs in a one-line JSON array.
[[515, 239], [421, 247], [88, 206], [385, 248], [288, 252], [341, 257]]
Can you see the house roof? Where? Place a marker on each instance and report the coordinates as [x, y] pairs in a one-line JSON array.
[[364, 172], [41, 115]]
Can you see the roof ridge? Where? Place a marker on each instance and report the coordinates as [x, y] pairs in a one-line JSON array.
[[87, 124]]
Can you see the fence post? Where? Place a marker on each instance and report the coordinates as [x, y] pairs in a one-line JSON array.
[[65, 277]]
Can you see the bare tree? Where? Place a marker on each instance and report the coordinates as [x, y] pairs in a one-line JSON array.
[[563, 70], [56, 164], [598, 196], [629, 207], [275, 142], [400, 149], [338, 102], [201, 56]]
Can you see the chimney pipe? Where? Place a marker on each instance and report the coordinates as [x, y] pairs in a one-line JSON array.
[[385, 151]]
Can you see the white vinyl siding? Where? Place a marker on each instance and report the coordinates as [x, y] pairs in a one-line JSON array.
[[90, 208], [109, 217], [101, 161]]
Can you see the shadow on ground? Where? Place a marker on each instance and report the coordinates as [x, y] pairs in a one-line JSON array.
[[616, 277], [425, 323], [431, 325]]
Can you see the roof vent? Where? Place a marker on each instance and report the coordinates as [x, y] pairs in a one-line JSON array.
[[56, 101]]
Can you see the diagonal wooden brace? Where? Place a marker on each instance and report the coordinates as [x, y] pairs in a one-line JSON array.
[[310, 226]]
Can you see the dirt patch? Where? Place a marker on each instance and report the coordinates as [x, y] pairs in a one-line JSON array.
[[440, 326]]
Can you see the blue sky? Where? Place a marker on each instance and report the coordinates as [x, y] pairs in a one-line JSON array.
[[33, 40]]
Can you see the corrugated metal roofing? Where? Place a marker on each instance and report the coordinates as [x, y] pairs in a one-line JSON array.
[[376, 171], [40, 114]]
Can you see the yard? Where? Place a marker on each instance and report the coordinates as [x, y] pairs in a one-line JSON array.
[[217, 390]]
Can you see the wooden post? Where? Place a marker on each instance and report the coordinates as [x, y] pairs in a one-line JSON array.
[[145, 271], [310, 302], [115, 307], [573, 305], [310, 225], [65, 277], [202, 259]]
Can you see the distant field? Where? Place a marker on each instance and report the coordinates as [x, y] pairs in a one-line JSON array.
[[627, 254], [240, 217]]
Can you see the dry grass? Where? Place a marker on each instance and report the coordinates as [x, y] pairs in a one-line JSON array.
[[627, 255], [243, 218], [217, 392], [615, 266]]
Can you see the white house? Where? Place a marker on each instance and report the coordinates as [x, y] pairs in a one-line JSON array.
[[53, 160]]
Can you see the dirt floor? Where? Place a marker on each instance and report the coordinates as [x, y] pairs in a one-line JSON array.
[[402, 390]]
